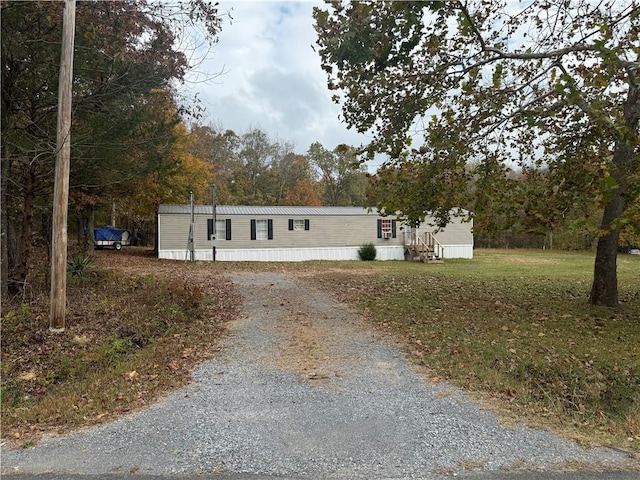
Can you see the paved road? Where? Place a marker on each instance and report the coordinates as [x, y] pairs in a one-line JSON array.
[[303, 390]]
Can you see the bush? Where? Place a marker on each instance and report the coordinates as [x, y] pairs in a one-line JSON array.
[[367, 252], [79, 265]]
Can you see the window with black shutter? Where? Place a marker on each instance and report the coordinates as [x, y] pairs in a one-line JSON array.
[[261, 229], [386, 228], [298, 224], [223, 229]]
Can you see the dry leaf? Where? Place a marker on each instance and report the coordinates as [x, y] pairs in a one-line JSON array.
[[27, 376]]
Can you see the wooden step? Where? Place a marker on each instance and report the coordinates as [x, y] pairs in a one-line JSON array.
[[425, 254]]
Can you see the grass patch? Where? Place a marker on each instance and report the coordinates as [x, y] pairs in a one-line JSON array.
[[129, 338], [516, 325]]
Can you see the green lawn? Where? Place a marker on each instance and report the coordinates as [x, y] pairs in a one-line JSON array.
[[516, 326]]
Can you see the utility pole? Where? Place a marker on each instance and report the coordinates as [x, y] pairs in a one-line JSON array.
[[214, 234], [191, 253], [61, 186]]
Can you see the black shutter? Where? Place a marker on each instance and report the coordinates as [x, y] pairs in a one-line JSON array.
[[379, 228], [306, 224], [270, 229], [253, 229], [227, 224], [209, 228], [393, 228], [291, 224]]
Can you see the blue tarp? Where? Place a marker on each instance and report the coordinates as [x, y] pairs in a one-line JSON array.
[[111, 234]]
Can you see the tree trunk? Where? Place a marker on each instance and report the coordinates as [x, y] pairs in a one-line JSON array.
[[23, 251], [4, 226], [604, 290], [89, 237]]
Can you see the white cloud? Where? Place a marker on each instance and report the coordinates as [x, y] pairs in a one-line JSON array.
[[273, 79]]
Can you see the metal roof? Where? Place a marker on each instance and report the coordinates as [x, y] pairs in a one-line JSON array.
[[266, 210]]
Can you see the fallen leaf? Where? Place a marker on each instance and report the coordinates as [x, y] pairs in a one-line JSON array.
[[27, 376], [81, 340]]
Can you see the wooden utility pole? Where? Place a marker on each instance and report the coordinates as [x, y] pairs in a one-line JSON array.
[[191, 252], [61, 186], [214, 233]]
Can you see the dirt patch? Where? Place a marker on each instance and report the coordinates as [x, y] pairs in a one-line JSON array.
[[304, 350]]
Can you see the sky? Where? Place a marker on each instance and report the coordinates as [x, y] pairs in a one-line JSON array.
[[272, 79]]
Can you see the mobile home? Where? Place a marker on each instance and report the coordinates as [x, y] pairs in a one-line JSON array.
[[288, 234]]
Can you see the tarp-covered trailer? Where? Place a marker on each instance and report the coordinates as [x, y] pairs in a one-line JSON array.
[[112, 237]]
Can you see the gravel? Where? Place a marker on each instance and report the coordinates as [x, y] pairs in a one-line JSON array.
[[303, 389]]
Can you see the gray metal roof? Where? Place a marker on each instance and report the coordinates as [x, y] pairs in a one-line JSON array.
[[266, 210]]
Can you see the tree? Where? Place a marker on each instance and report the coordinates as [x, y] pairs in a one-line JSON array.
[[343, 181], [257, 153], [221, 148], [303, 193], [125, 51], [547, 83], [290, 170], [161, 167]]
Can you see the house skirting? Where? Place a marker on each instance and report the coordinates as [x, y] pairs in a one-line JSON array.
[[392, 252], [395, 252], [458, 251]]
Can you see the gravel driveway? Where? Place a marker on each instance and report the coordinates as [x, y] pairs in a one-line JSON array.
[[303, 389]]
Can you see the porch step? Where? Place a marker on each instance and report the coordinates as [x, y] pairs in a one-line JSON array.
[[425, 255]]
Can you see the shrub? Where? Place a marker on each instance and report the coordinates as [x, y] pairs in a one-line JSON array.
[[367, 252], [79, 264]]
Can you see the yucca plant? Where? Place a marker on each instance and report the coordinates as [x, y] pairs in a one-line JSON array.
[[79, 264]]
